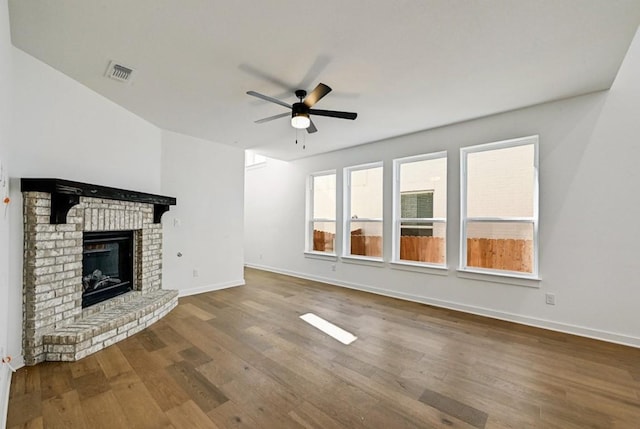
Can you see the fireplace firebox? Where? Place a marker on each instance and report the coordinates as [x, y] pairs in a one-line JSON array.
[[107, 265]]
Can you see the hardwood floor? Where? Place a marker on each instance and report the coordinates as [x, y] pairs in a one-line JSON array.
[[242, 358]]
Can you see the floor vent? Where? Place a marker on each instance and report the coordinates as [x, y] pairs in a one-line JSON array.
[[119, 72]]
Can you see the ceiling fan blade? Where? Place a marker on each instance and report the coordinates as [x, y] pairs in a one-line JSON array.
[[333, 114], [311, 128], [271, 118], [266, 76], [320, 91], [314, 71], [267, 98]]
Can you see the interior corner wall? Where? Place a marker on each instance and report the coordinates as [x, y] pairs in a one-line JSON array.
[[6, 72], [589, 175], [203, 247], [62, 129]]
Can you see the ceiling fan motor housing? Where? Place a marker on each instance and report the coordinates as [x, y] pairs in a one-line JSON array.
[[299, 108]]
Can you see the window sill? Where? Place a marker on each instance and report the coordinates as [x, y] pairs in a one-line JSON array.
[[321, 255], [496, 277], [420, 268], [363, 260]]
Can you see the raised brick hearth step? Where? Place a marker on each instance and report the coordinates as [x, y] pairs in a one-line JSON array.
[[108, 326]]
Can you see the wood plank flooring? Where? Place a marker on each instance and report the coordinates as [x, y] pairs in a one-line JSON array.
[[242, 358]]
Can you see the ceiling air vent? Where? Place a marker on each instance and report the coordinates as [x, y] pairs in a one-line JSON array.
[[119, 72]]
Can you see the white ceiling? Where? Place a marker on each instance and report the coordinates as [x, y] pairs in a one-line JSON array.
[[404, 66]]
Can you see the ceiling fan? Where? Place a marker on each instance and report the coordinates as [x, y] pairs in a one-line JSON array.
[[301, 110]]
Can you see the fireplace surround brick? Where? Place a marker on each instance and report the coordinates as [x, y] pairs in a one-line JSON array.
[[56, 327]]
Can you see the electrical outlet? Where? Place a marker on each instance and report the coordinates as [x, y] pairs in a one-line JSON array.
[[550, 298], [333, 267], [195, 273]]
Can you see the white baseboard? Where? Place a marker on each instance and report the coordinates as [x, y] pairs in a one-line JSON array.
[[210, 288], [5, 385], [551, 325]]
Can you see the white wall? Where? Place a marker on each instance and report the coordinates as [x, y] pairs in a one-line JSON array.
[[206, 225], [64, 128], [5, 136], [589, 173], [61, 129], [274, 214]]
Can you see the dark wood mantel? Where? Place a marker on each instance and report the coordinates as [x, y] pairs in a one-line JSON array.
[[66, 194]]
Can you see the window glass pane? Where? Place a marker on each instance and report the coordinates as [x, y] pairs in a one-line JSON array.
[[500, 182], [427, 180], [366, 193], [423, 242], [251, 158], [416, 229], [324, 237], [500, 246], [324, 197], [366, 238]]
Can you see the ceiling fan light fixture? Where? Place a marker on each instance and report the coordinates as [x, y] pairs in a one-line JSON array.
[[300, 121]]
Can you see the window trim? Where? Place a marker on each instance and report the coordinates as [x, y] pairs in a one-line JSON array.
[[346, 219], [464, 219], [397, 219], [310, 220]]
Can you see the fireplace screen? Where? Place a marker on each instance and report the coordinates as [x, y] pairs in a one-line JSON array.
[[107, 265]]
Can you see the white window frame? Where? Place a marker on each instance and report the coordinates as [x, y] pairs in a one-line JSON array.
[[346, 231], [464, 219], [310, 211], [397, 219]]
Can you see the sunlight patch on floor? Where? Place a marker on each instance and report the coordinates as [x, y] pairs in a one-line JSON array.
[[329, 328]]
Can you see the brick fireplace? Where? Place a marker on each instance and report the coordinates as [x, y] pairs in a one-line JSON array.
[[57, 213]]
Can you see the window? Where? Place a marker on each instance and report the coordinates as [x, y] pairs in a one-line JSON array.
[[363, 211], [322, 213], [252, 159], [420, 209], [499, 207]]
